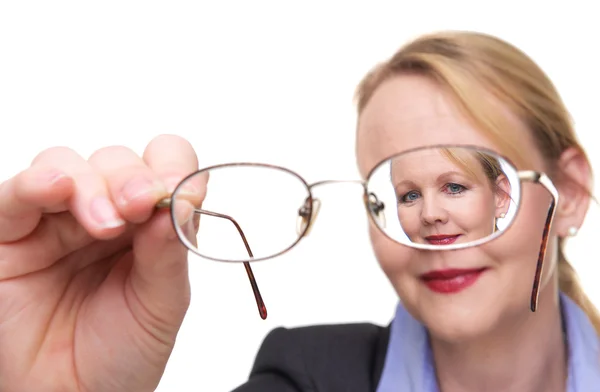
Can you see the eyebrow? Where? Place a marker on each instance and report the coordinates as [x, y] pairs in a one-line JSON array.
[[447, 174]]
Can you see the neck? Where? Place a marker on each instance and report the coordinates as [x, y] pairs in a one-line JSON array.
[[527, 353]]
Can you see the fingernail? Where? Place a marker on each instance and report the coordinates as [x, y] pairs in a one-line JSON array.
[[183, 212], [172, 183], [104, 213], [53, 176], [189, 230], [138, 187]]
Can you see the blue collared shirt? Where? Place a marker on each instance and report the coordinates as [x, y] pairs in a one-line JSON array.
[[409, 364]]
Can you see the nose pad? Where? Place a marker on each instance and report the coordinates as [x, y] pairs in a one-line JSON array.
[[376, 207], [381, 219], [303, 217]]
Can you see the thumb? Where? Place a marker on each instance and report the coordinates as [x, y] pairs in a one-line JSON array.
[[159, 276]]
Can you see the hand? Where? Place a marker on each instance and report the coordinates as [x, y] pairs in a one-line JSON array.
[[93, 280]]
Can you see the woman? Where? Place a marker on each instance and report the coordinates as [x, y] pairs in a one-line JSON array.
[[458, 192], [63, 288]]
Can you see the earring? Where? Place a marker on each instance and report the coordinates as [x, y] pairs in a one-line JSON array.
[[572, 231], [502, 215]]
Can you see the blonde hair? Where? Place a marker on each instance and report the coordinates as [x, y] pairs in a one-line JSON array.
[[473, 65], [489, 164]]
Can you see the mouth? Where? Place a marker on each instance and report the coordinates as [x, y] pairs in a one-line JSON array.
[[442, 239], [451, 280]]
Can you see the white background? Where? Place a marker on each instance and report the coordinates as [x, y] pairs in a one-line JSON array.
[[261, 81]]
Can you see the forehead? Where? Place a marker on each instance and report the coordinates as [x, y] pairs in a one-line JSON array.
[[434, 165], [407, 112], [420, 161]]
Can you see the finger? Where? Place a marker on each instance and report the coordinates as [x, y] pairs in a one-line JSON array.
[[173, 158], [52, 240], [90, 203], [159, 276], [160, 265], [134, 187], [27, 195]]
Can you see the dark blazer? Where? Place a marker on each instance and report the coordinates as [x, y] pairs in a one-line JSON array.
[[323, 358]]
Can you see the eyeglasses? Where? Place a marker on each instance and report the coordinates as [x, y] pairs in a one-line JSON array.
[[443, 197]]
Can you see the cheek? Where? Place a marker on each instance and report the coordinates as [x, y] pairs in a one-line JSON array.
[[393, 258], [474, 212], [518, 248], [398, 263], [409, 218]]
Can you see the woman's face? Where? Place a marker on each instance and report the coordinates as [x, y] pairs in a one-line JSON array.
[[441, 200], [408, 112]]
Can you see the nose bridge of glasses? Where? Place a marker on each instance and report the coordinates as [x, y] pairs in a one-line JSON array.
[[308, 212], [331, 182]]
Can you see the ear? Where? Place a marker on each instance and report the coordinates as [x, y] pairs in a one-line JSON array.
[[573, 184], [502, 195]]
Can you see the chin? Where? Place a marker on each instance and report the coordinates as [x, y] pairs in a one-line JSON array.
[[460, 326], [456, 319]]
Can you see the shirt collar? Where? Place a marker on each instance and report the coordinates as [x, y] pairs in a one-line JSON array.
[[409, 365]]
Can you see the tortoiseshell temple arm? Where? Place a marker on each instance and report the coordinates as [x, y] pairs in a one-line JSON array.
[[539, 269], [544, 180], [262, 309]]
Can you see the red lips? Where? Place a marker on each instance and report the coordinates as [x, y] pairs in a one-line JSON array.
[[451, 280], [442, 239]]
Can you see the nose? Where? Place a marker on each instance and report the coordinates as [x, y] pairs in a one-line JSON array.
[[433, 211]]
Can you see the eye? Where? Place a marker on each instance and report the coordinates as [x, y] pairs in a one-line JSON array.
[[454, 188], [409, 197]]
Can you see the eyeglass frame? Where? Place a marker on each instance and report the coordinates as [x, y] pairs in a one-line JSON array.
[[306, 212]]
